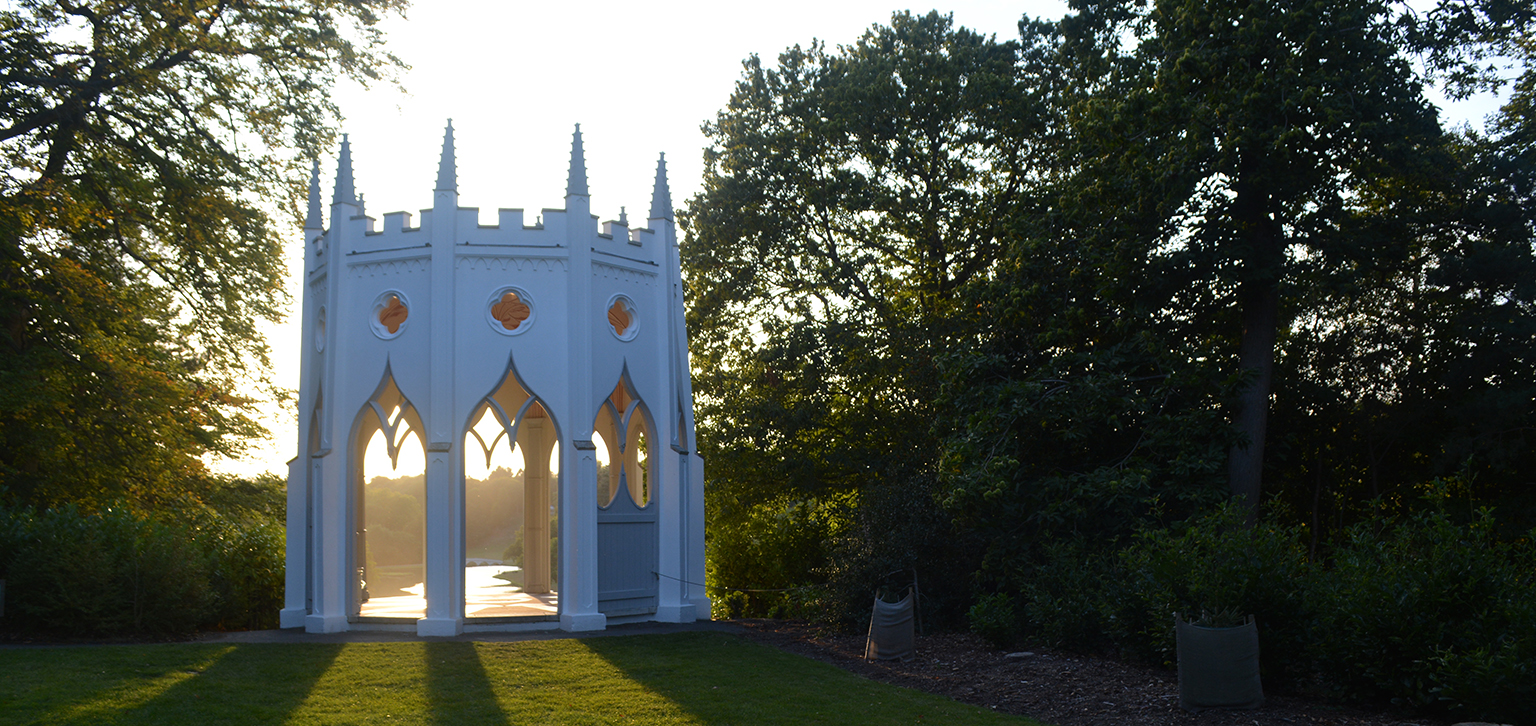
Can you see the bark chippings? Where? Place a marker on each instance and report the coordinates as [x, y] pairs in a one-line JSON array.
[[1061, 689]]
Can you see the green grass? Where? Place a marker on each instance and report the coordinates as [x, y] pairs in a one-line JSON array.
[[684, 678]]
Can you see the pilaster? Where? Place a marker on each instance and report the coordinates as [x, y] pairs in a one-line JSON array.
[[445, 493], [578, 508]]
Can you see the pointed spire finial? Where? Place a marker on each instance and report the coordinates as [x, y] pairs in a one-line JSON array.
[[661, 196], [344, 193], [576, 183], [447, 171], [312, 220]]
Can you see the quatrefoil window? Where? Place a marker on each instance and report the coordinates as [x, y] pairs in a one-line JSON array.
[[510, 310], [622, 318], [391, 310]]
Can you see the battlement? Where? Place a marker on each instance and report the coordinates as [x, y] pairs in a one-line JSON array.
[[360, 233]]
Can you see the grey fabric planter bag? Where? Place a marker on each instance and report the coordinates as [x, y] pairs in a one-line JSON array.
[[890, 630], [1218, 667]]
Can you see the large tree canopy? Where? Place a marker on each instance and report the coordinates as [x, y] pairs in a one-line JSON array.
[[848, 197], [144, 144], [1057, 287], [1274, 147]]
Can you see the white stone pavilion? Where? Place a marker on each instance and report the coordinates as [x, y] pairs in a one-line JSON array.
[[558, 335]]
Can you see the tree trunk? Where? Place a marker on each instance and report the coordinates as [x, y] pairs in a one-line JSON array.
[[1245, 464], [1258, 296]]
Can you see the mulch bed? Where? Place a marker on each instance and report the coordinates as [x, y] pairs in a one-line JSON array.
[[1058, 688]]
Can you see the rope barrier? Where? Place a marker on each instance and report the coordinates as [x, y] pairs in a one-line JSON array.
[[738, 589]]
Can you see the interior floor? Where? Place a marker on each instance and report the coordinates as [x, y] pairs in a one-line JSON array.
[[485, 596]]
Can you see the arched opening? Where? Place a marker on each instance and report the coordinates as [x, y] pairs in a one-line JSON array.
[[626, 523], [623, 445], [389, 509], [511, 507]]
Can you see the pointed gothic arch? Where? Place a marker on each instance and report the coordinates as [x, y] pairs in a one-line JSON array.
[[624, 423], [515, 573], [382, 592]]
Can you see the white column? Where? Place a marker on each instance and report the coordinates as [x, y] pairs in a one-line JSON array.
[[578, 493], [445, 554], [578, 542], [296, 568], [445, 490], [332, 579], [533, 437]]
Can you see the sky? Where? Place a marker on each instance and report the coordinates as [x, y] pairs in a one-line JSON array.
[[515, 77]]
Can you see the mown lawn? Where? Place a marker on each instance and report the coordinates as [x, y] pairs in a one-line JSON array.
[[684, 678]]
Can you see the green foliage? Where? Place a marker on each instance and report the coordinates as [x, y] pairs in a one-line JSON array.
[[1421, 610], [513, 554], [262, 498], [993, 618], [1288, 194], [144, 147], [126, 571], [1431, 613], [107, 573], [849, 195], [1219, 570], [246, 572], [1027, 321], [490, 507], [773, 546], [1068, 596], [396, 520], [898, 536]]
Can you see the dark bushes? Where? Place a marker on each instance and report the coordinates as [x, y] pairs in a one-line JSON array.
[[1219, 570], [1419, 610], [120, 571], [1429, 612]]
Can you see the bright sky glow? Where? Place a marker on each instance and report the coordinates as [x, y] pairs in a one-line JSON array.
[[515, 77]]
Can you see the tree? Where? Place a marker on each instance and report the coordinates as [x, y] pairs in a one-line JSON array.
[[1276, 148], [143, 143], [848, 197]]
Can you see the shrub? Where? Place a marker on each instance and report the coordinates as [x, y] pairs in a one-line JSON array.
[[1219, 569], [122, 571], [247, 573], [1430, 613], [994, 619], [105, 573], [765, 547]]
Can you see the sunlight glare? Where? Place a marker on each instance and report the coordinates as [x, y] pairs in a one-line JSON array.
[[412, 458]]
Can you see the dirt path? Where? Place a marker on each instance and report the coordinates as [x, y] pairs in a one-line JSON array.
[[1062, 689]]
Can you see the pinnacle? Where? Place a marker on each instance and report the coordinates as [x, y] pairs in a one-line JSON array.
[[312, 220], [344, 193], [447, 169], [576, 183], [661, 196]]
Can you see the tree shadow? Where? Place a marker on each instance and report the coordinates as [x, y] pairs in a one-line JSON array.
[[215, 688], [720, 678], [458, 689]]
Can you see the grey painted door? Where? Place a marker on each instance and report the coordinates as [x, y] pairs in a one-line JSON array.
[[626, 557]]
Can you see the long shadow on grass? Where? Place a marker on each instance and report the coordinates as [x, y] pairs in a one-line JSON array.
[[722, 678], [458, 690], [259, 684]]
